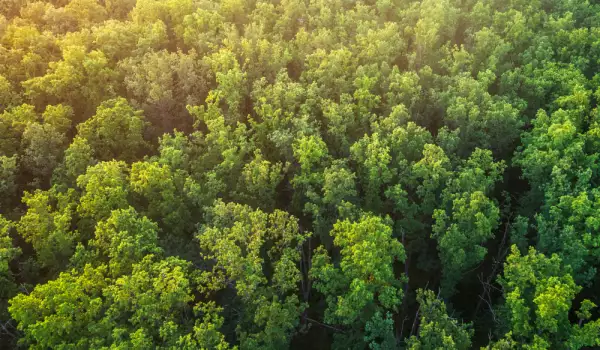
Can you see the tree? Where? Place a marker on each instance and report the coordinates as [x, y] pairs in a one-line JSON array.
[[87, 12], [60, 117], [43, 148], [437, 330], [257, 256], [68, 303], [331, 71], [146, 308], [8, 184], [558, 161], [8, 252], [312, 156], [124, 239], [231, 81], [435, 27], [105, 187], [203, 29], [47, 225], [163, 83], [162, 191], [282, 115], [116, 131], [373, 158], [364, 285], [259, 181], [468, 219], [12, 124], [482, 121], [77, 158], [222, 152], [79, 76], [538, 294], [8, 97]]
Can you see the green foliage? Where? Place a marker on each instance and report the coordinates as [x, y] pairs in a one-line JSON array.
[[148, 306], [42, 150], [68, 303], [162, 163], [482, 121], [469, 218], [124, 239], [539, 293], [81, 75], [105, 187], [8, 252], [162, 190], [373, 159], [59, 116], [12, 124], [239, 239], [116, 131], [77, 158], [437, 330], [47, 225], [8, 185], [8, 97], [159, 81], [259, 181], [364, 283]]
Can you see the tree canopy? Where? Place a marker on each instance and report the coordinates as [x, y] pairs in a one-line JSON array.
[[257, 174]]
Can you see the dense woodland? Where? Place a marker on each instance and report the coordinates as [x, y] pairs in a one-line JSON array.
[[303, 174]]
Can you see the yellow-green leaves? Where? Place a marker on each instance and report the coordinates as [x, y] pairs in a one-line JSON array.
[[365, 279], [115, 132], [104, 188], [437, 329], [539, 294], [47, 225], [258, 256], [125, 238]]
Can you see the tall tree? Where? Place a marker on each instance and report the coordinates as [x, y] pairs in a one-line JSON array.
[[363, 286], [255, 257], [116, 131]]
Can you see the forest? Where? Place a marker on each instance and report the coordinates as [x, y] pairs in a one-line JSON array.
[[299, 174]]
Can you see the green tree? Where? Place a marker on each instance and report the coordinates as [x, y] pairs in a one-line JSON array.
[[42, 150], [482, 120], [162, 191], [538, 297], [124, 239], [69, 303], [116, 131], [148, 308], [437, 330], [222, 152], [8, 252], [373, 158], [8, 184], [105, 187], [60, 117], [13, 123], [163, 83], [47, 225], [312, 156], [363, 285], [469, 217], [79, 76], [77, 158], [259, 181], [8, 97], [256, 255]]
